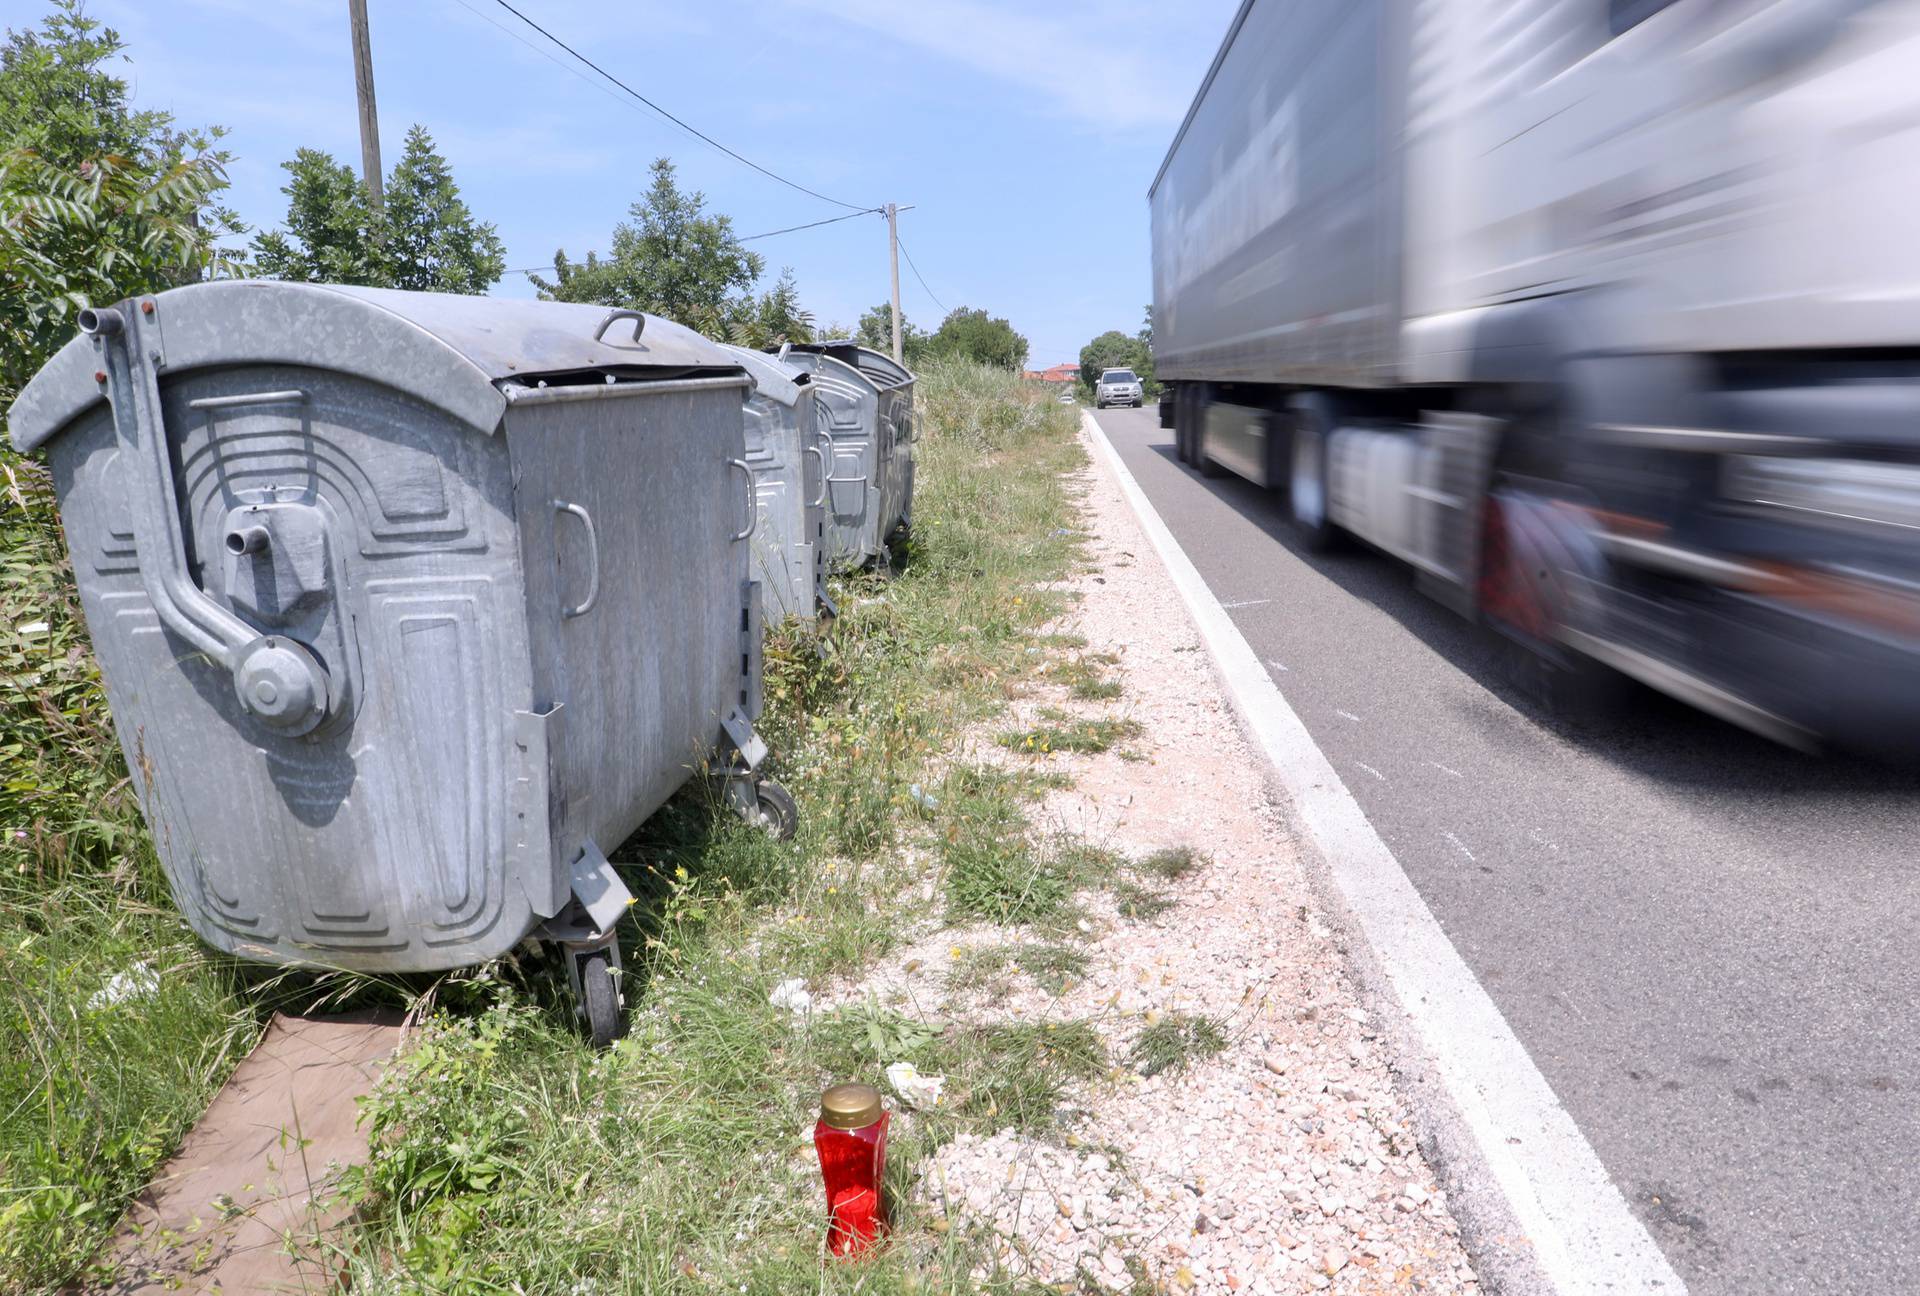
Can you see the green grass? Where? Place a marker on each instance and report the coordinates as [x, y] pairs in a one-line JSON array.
[[995, 871], [1175, 1041], [1138, 903], [1172, 863], [1061, 733], [1054, 966], [1083, 678]]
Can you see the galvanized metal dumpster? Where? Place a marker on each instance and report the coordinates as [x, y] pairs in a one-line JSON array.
[[409, 606], [867, 401], [790, 456]]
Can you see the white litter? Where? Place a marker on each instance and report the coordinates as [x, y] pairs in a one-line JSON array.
[[792, 996], [920, 1092], [32, 628], [137, 982]]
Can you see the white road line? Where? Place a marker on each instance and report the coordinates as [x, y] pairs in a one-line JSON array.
[[1540, 1211], [1246, 603]]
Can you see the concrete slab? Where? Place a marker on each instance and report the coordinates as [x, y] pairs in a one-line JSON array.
[[257, 1172]]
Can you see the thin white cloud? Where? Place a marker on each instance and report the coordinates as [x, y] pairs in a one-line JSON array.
[[1101, 72]]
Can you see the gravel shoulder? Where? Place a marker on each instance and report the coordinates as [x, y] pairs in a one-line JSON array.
[[1277, 1155]]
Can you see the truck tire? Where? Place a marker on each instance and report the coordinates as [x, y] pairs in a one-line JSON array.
[[1307, 494], [1182, 422], [1529, 552]]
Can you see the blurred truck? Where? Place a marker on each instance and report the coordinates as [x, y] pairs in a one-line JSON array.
[[1602, 314]]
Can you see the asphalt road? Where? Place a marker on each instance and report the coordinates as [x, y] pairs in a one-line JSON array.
[[1706, 942]]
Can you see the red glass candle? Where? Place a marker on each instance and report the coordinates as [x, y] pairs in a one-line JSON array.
[[851, 1139]]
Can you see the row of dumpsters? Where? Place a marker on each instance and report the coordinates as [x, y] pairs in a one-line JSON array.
[[411, 607]]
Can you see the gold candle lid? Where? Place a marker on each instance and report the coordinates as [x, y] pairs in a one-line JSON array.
[[850, 1106]]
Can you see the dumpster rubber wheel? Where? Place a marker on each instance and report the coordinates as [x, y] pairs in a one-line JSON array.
[[775, 812], [605, 1022]]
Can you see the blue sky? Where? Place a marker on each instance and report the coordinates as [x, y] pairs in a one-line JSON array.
[[1025, 134]]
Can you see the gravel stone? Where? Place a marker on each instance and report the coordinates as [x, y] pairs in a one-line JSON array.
[[1288, 1157]]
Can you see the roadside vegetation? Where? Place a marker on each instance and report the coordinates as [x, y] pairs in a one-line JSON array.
[[97, 1083], [509, 1153]]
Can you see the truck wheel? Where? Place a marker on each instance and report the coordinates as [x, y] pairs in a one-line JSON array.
[[1307, 478], [1529, 552]]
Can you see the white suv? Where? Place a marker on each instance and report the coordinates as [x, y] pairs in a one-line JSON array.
[[1118, 387]]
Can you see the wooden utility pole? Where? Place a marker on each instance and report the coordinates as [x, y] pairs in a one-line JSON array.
[[893, 248], [369, 118]]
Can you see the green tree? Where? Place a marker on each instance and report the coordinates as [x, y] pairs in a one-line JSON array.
[[591, 280], [772, 318], [97, 202], [57, 98], [432, 242], [1115, 350], [875, 330], [330, 234], [976, 335], [425, 238], [670, 258]]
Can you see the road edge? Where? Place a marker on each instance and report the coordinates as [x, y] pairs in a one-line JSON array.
[[1538, 1212]]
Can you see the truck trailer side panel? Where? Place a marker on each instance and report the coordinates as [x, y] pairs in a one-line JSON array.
[[1276, 216]]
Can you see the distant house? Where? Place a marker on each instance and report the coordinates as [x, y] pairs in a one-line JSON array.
[[1060, 374]]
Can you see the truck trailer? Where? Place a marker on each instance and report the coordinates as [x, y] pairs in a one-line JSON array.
[[1604, 315]]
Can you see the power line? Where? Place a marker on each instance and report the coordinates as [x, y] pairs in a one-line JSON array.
[[870, 211], [542, 51], [917, 275], [812, 193]]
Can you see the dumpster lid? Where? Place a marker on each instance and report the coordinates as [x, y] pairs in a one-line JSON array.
[[879, 369], [772, 376], [453, 352]]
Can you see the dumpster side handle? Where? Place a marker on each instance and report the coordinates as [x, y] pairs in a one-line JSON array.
[[826, 467], [593, 559], [753, 503]]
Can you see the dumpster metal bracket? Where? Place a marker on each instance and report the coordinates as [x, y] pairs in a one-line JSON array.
[[530, 810], [599, 897], [748, 745]]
